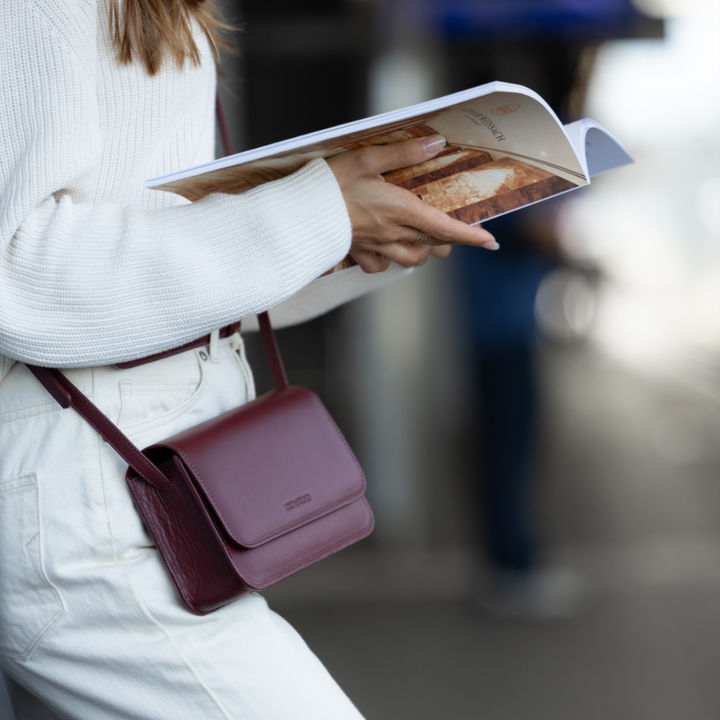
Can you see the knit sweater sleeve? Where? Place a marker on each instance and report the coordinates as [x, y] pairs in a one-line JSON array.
[[85, 284]]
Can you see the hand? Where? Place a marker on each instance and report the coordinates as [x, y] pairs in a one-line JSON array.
[[386, 219]]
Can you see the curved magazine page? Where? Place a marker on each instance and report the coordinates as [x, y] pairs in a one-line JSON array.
[[284, 147], [506, 149], [598, 149]]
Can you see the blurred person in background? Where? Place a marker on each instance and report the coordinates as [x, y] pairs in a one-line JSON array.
[[548, 45], [502, 335], [499, 296]]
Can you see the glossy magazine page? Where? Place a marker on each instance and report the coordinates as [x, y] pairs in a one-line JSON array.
[[506, 149]]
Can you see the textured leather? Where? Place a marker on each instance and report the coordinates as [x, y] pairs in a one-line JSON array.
[[184, 536], [247, 498], [255, 495]]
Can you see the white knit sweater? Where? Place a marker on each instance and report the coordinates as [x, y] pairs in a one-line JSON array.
[[95, 269]]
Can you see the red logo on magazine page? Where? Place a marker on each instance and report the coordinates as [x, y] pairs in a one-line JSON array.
[[505, 109]]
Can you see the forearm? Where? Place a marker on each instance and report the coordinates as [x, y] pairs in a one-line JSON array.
[[88, 285]]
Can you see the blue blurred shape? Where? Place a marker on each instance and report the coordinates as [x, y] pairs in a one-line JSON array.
[[473, 18]]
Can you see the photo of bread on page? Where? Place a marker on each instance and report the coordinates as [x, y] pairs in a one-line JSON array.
[[473, 185], [504, 151]]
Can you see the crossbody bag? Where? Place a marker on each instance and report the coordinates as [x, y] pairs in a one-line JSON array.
[[247, 498]]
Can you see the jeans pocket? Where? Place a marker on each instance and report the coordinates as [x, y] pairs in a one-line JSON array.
[[29, 603], [154, 394], [143, 400]]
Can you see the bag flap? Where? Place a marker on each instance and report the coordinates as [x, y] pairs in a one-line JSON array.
[[270, 466]]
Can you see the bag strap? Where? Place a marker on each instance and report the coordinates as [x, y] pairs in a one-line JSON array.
[[68, 395]]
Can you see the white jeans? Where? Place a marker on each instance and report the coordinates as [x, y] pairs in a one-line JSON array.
[[90, 622]]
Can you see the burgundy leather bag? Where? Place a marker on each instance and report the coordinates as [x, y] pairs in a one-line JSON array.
[[245, 499]]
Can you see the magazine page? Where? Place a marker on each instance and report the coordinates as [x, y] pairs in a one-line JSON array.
[[598, 149], [303, 142], [506, 149]]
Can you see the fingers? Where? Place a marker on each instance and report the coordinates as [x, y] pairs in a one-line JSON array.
[[422, 238], [398, 214], [402, 253], [374, 160], [369, 261], [406, 254], [441, 251], [384, 215], [441, 227]]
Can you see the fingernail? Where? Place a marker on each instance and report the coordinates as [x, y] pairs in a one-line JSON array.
[[433, 144], [491, 245]]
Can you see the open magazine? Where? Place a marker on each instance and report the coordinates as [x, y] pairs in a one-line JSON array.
[[505, 149]]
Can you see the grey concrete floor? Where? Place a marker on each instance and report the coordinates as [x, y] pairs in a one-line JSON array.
[[629, 500]]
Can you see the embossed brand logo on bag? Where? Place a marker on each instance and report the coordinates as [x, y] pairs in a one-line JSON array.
[[297, 502]]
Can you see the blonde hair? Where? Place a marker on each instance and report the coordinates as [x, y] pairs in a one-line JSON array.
[[152, 30]]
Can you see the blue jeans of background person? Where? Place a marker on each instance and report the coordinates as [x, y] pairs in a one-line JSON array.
[[505, 399], [499, 291]]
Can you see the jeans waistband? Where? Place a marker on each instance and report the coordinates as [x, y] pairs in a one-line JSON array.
[[225, 332]]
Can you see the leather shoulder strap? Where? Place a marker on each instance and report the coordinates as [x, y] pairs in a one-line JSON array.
[[70, 396]]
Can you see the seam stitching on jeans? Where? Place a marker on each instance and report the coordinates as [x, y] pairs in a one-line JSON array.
[[182, 656]]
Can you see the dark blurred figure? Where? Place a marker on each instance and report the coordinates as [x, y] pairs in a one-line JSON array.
[[548, 46], [499, 294]]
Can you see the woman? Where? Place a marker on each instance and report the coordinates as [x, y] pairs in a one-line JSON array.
[[96, 270]]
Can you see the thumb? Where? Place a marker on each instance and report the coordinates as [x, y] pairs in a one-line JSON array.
[[384, 158]]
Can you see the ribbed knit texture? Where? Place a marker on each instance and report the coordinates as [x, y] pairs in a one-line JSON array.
[[94, 268]]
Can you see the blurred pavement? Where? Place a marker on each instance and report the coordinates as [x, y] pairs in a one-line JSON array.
[[624, 502]]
